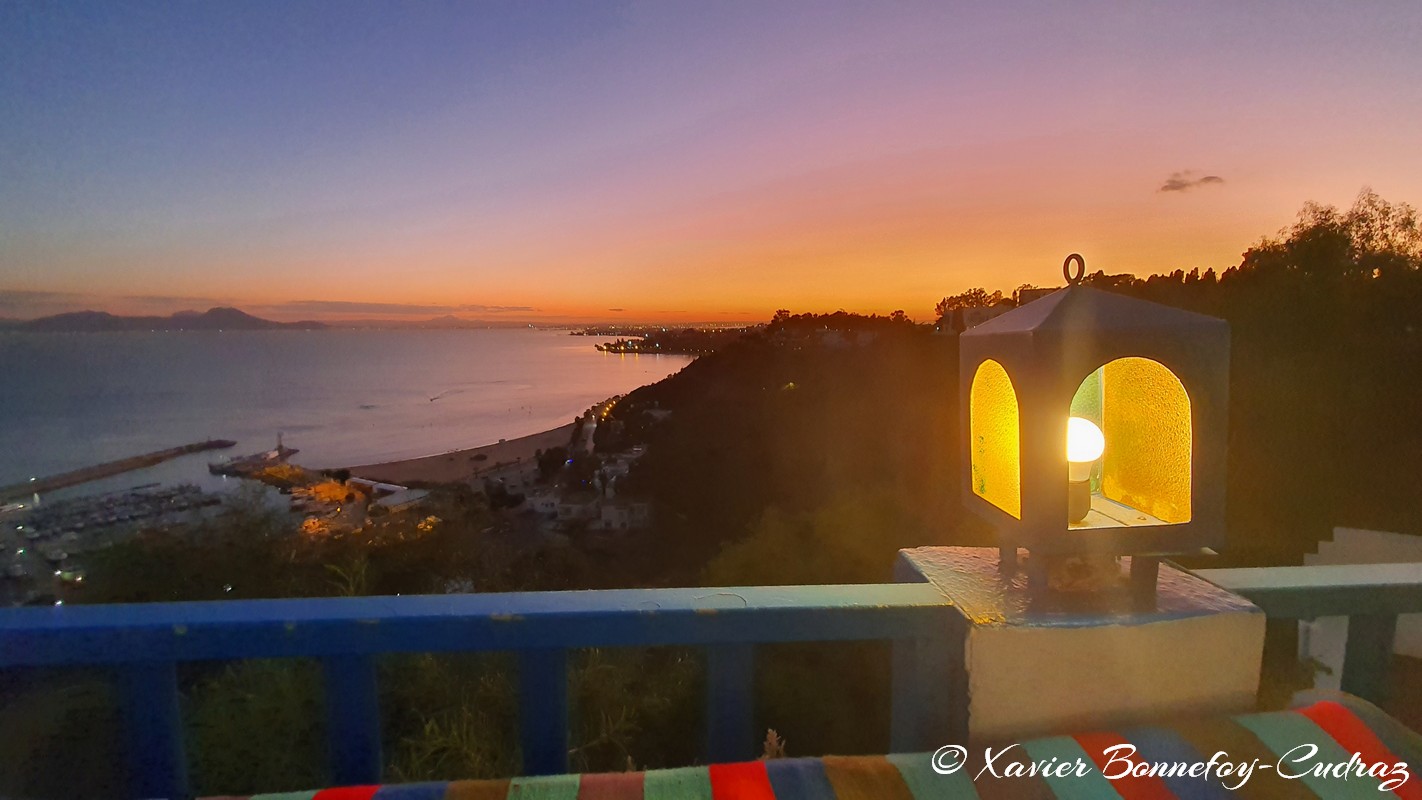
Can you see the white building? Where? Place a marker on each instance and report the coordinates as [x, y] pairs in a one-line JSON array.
[[577, 507], [403, 499], [375, 488], [623, 516], [543, 503]]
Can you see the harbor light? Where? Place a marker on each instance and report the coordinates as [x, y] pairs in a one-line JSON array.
[[1137, 392]]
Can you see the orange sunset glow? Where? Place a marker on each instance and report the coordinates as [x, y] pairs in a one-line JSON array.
[[671, 162]]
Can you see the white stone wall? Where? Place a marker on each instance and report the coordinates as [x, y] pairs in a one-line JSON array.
[[1050, 680]]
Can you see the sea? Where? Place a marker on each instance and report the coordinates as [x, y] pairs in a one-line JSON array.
[[341, 396]]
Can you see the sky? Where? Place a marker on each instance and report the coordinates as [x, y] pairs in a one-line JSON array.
[[679, 161]]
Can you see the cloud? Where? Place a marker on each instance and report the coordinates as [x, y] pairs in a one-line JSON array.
[[347, 307], [12, 300], [1184, 181], [20, 303], [175, 300], [29, 303], [617, 309]]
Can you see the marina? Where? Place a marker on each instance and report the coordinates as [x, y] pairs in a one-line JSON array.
[[40, 542]]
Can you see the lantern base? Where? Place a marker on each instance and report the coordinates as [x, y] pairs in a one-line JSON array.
[[1083, 573], [1028, 671], [1078, 500], [1084, 581]]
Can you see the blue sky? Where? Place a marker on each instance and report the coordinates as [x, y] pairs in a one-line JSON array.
[[671, 159]]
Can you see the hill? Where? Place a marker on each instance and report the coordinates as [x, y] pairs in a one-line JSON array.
[[214, 319]]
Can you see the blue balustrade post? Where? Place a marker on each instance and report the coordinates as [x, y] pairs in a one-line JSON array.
[[929, 701], [930, 692], [904, 705], [1368, 657], [543, 710], [352, 719], [730, 702], [152, 720]]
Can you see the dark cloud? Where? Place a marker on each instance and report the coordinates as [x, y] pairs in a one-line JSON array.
[[29, 304], [1185, 181], [26, 304], [617, 309], [346, 307], [21, 300], [175, 300], [38, 303]]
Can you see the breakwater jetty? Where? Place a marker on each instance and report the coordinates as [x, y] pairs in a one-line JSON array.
[[253, 465], [75, 477]]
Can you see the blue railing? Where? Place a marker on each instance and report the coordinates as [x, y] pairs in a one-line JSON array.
[[144, 643], [1369, 595]]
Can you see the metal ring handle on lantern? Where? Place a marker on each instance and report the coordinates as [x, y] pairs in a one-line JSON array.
[[1074, 278]]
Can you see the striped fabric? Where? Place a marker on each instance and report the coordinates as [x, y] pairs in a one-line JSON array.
[[1330, 749]]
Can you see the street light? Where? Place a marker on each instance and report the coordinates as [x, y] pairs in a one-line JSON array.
[[1138, 394]]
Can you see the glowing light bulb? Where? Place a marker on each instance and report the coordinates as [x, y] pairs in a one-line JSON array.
[[1085, 444]]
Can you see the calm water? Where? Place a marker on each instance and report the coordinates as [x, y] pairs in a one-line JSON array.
[[342, 396]]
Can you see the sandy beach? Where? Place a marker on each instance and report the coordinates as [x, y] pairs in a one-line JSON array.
[[463, 465]]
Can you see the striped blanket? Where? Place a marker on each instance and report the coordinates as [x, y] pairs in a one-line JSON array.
[[1330, 749]]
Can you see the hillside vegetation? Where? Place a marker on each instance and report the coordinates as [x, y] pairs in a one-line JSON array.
[[811, 450]]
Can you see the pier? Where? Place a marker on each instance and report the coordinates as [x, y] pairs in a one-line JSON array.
[[84, 475], [253, 465]]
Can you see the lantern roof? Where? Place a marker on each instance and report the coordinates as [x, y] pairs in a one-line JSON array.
[[1083, 308]]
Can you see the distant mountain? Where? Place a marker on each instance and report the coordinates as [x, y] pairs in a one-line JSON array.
[[213, 319], [446, 322]]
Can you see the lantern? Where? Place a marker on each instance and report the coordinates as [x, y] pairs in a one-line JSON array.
[[1096, 426]]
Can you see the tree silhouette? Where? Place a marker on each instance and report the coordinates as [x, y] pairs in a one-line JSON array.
[[973, 298], [1373, 238]]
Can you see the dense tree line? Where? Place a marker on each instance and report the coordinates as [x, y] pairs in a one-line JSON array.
[[821, 418]]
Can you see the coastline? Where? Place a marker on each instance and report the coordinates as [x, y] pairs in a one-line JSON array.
[[461, 465]]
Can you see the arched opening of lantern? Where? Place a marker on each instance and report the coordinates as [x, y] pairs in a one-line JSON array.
[[994, 434], [1129, 440]]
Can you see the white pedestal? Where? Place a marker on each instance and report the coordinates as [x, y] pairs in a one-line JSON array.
[[1031, 671]]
